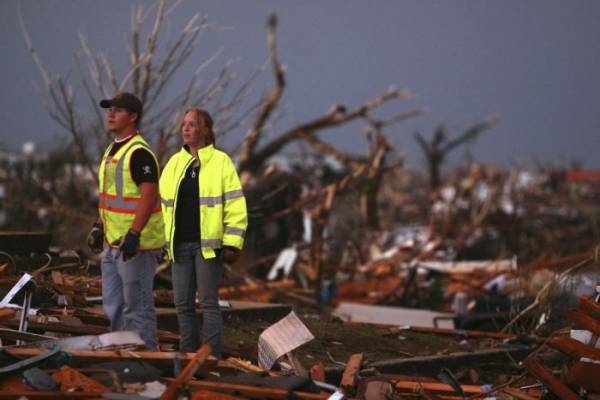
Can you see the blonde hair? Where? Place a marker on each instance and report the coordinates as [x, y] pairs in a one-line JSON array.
[[208, 122]]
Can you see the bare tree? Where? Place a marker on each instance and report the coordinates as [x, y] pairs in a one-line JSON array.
[[152, 69], [269, 104], [438, 148]]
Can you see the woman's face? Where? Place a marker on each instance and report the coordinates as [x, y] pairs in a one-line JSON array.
[[193, 130]]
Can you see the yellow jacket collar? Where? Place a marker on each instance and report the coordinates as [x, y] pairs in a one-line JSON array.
[[204, 154]]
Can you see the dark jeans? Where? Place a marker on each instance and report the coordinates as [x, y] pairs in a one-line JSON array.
[[191, 273]]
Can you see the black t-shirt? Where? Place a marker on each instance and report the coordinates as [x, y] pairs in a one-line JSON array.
[[142, 164], [187, 213]]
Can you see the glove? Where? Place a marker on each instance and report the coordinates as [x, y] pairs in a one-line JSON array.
[[95, 239], [229, 254], [129, 245], [164, 254]]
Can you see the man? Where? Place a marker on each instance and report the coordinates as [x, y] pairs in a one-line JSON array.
[[130, 227]]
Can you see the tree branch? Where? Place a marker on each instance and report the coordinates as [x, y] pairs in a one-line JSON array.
[[470, 134], [252, 137], [336, 116]]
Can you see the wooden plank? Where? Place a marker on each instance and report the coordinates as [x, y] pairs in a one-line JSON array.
[[350, 375], [271, 312], [57, 278], [209, 395], [585, 374], [317, 372], [463, 332], [574, 348], [517, 394], [242, 365], [48, 395], [59, 327], [72, 380], [109, 355], [569, 260], [6, 313], [431, 364], [163, 336], [5, 268], [172, 392], [551, 382], [262, 292], [589, 307], [436, 387], [587, 322], [253, 391], [592, 309], [379, 390], [14, 384]]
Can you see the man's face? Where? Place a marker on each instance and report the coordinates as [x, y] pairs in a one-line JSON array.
[[119, 119]]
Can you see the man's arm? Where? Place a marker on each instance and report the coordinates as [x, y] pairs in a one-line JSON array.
[[147, 204], [144, 172]]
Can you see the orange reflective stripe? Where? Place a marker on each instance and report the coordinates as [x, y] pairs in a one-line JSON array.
[[123, 210], [114, 196]]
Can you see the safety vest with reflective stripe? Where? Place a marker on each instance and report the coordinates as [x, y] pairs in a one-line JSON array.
[[223, 215], [119, 197]]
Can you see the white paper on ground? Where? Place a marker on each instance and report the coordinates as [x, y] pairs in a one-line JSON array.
[[281, 338]]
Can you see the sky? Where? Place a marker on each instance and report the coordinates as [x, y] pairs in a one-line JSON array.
[[536, 64]]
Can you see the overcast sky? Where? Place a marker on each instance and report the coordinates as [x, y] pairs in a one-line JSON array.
[[534, 63]]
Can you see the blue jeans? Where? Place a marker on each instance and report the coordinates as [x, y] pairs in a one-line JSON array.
[[191, 273], [127, 293]]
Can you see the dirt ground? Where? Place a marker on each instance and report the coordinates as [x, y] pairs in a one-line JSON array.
[[335, 341]]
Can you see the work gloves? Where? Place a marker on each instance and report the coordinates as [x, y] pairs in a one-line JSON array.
[[95, 239], [229, 254], [129, 245]]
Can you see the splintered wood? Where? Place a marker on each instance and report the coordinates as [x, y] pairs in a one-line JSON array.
[[350, 376], [584, 371], [172, 392], [72, 380]]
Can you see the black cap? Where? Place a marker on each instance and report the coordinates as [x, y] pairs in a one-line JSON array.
[[124, 100]]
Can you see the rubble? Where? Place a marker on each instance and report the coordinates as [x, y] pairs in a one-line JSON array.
[[52, 366], [405, 314]]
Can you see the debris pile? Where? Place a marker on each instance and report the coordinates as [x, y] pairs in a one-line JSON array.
[[56, 343], [451, 308]]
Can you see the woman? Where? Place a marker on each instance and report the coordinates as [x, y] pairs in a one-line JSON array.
[[205, 221]]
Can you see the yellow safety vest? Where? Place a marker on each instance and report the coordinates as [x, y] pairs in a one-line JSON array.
[[223, 215], [119, 197]]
